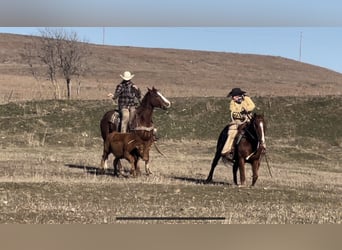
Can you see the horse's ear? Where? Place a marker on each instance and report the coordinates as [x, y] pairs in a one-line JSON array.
[[148, 89]]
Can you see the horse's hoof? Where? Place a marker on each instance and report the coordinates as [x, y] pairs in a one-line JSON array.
[[100, 171], [208, 181], [133, 174]]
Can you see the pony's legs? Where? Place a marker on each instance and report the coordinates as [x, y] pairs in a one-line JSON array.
[[115, 165], [103, 165], [132, 161], [147, 168], [136, 165]]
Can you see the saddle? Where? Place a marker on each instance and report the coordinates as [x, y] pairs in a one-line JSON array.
[[116, 118]]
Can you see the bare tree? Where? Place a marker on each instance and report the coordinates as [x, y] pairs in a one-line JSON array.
[[47, 53], [30, 57], [63, 55]]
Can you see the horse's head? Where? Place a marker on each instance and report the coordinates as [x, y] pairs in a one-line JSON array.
[[156, 99], [259, 124]]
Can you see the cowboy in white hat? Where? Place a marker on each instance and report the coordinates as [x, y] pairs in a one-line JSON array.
[[240, 106], [127, 76], [128, 96]]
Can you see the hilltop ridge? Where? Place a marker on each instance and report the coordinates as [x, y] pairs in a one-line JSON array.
[[177, 73]]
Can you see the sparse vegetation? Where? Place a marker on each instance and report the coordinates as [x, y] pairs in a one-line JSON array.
[[55, 182]]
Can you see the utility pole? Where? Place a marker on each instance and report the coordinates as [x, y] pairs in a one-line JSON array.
[[300, 46], [103, 35]]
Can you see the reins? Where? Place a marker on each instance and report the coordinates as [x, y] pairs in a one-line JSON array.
[[258, 147]]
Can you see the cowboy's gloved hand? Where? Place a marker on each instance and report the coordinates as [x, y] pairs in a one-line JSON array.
[[244, 112]]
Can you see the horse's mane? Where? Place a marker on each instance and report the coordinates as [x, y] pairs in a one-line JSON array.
[[250, 129], [261, 117], [146, 96]]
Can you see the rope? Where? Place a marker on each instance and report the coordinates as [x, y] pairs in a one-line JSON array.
[[144, 128], [269, 169]]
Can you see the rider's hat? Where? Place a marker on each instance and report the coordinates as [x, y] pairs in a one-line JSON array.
[[127, 76], [236, 92]]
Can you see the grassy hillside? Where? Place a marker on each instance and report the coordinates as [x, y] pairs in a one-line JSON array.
[[178, 73], [50, 122]]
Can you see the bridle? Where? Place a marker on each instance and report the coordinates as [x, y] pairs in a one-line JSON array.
[[257, 134]]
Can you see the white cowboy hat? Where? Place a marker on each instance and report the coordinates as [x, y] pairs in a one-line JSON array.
[[127, 76]]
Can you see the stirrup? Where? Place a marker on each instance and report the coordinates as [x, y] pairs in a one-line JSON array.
[[229, 156]]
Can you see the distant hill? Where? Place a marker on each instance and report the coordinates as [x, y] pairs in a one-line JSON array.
[[177, 73]]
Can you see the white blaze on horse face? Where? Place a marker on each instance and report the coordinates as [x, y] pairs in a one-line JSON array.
[[168, 103], [262, 134]]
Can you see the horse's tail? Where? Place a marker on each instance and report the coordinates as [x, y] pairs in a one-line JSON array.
[[105, 123], [219, 146], [222, 139], [104, 126]]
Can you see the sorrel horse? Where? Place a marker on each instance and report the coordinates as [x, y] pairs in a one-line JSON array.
[[249, 148], [142, 123]]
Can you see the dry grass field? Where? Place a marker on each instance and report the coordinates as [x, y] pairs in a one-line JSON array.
[[60, 185], [50, 149]]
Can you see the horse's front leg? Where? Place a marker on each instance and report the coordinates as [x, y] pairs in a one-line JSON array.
[[242, 171], [255, 170], [146, 157]]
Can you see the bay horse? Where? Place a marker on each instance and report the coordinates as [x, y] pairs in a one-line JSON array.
[[142, 123], [250, 146]]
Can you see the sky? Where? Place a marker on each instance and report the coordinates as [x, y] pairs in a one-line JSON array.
[[304, 30]]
